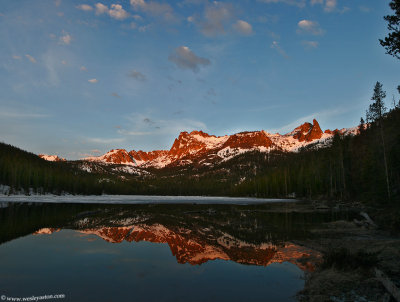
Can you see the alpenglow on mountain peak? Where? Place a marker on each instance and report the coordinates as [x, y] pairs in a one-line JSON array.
[[200, 148]]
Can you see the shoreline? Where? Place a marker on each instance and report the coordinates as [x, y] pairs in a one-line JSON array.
[[142, 199]]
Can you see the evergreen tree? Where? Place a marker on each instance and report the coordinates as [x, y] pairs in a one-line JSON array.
[[377, 109], [392, 42], [361, 128], [375, 114]]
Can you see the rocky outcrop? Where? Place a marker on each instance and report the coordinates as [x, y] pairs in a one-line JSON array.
[[204, 149], [51, 157], [308, 132]]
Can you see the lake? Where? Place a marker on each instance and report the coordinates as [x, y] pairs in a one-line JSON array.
[[155, 252]]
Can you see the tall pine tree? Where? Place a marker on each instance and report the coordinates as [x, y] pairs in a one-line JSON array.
[[375, 114]]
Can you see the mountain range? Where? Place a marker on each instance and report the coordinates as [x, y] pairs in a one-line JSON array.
[[195, 248], [201, 149]]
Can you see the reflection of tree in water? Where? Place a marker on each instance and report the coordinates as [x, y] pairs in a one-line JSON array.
[[195, 233]]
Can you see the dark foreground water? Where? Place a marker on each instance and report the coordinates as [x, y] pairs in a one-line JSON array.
[[98, 252]]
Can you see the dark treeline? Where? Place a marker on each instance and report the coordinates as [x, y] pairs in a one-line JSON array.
[[353, 167], [364, 167], [24, 171]]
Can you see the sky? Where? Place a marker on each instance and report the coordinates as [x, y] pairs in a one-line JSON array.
[[79, 78]]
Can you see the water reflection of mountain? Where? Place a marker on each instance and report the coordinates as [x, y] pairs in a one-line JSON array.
[[254, 235], [199, 246]]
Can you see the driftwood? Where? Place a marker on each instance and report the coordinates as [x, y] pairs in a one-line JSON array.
[[368, 219], [388, 284]]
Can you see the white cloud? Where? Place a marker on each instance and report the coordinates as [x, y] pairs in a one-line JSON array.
[[65, 39], [83, 68], [100, 8], [275, 45], [85, 7], [298, 3], [310, 44], [330, 5], [309, 27], [93, 81], [117, 12], [243, 27], [15, 57], [30, 58], [184, 58]]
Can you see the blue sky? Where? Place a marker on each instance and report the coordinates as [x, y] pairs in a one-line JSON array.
[[81, 77]]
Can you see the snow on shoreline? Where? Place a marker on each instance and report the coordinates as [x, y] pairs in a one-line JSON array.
[[137, 199]]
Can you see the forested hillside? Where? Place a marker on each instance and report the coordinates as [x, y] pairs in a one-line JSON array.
[[23, 171], [365, 167]]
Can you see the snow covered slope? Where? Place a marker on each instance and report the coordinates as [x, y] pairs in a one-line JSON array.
[[198, 147]]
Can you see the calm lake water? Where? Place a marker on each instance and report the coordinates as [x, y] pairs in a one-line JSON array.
[[156, 252]]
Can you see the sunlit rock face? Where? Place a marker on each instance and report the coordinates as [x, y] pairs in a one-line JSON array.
[[115, 156], [193, 249], [51, 157], [46, 231], [308, 132], [200, 148]]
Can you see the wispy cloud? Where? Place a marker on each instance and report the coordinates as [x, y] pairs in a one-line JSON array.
[[93, 81], [140, 124], [330, 5], [309, 27], [298, 3], [275, 45], [101, 140], [310, 44], [243, 27], [137, 75], [83, 68], [156, 9], [364, 9], [321, 115], [134, 133], [30, 58], [216, 16], [184, 58], [65, 39], [12, 113], [84, 7], [15, 57]]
